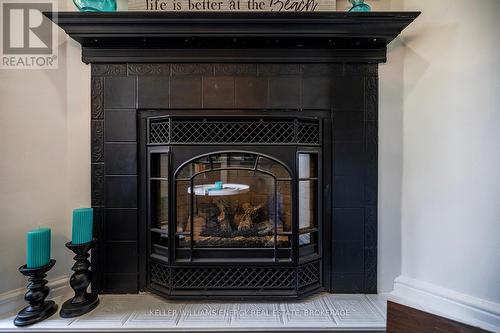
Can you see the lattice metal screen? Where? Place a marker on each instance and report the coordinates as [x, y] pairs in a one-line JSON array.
[[309, 274], [225, 277], [234, 278], [308, 132], [160, 274], [159, 132], [231, 131]]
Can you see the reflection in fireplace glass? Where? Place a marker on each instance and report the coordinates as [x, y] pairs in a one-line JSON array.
[[308, 201], [308, 165], [159, 166], [239, 200], [307, 204], [159, 191], [158, 184], [159, 211]]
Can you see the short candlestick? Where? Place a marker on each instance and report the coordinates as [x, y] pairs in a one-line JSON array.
[[38, 309]]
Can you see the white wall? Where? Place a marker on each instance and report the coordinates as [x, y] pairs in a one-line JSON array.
[[451, 140], [439, 150], [390, 166], [44, 163]]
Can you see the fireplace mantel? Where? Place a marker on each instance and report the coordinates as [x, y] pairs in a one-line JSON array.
[[306, 72], [233, 37]]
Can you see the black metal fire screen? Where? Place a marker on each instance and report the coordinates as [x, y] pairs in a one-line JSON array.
[[233, 205]]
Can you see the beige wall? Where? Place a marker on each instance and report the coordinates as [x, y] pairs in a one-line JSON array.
[[44, 163], [45, 155], [451, 138], [390, 166]]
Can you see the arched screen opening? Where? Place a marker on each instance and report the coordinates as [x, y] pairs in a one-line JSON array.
[[233, 200]]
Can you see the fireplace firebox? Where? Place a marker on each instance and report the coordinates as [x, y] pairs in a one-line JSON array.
[[234, 154], [234, 201]]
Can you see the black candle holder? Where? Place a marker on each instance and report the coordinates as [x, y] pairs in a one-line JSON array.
[[38, 309], [83, 301]]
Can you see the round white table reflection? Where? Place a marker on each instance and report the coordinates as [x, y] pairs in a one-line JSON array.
[[227, 189]]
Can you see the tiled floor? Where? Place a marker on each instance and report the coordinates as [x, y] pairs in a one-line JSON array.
[[324, 312]]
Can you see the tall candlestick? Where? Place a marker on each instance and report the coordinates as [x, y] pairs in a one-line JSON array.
[[82, 225], [83, 301], [38, 247]]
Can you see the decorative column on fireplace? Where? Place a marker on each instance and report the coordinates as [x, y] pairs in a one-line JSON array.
[[234, 155]]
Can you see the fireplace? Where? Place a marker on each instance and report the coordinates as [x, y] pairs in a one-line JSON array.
[[234, 155], [234, 201]]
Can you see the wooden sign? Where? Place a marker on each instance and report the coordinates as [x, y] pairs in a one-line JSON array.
[[232, 5]]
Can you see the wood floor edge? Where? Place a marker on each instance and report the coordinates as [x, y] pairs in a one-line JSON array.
[[402, 318]]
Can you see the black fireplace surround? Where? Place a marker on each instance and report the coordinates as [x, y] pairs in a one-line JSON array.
[[234, 155]]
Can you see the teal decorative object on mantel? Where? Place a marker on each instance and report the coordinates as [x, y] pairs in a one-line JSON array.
[[359, 6], [95, 5], [82, 225], [38, 247]]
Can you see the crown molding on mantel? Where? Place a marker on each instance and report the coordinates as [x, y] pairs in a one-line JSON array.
[[233, 37]]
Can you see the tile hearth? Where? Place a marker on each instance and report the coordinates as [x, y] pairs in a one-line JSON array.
[[146, 312]]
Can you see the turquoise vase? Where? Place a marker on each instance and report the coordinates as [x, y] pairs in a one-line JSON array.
[[95, 5], [359, 6]]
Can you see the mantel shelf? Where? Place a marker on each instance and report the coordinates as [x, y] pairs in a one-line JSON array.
[[233, 37]]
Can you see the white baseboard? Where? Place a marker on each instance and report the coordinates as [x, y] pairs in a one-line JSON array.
[[446, 303], [13, 301]]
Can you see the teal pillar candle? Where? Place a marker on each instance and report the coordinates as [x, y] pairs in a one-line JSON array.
[[38, 247], [82, 225]]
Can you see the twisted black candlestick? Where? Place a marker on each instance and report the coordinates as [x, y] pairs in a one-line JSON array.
[[38, 309], [83, 301]]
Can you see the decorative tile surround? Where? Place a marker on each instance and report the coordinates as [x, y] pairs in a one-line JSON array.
[[145, 312], [120, 89]]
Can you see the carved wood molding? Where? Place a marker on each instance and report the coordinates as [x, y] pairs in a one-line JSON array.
[[140, 37]]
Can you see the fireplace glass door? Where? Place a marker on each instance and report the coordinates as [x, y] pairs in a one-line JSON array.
[[158, 206], [235, 206]]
